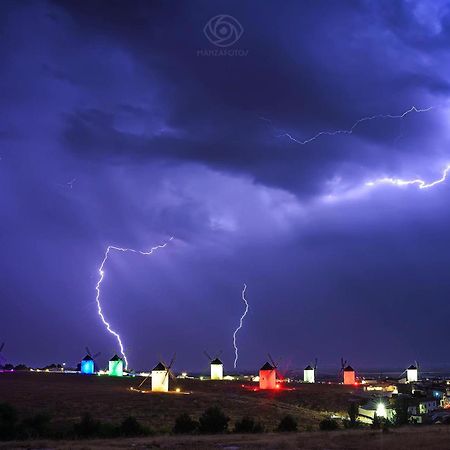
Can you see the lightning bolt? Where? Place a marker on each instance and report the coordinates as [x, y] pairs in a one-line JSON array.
[[240, 326], [101, 272], [352, 128], [422, 184]]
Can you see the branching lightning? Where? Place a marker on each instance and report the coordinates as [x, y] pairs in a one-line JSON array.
[[422, 184], [240, 326], [352, 128], [101, 272]]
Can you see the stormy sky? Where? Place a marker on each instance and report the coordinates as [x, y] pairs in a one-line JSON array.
[[122, 124]]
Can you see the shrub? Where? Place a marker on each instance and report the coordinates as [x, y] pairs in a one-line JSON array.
[[87, 427], [35, 426], [131, 427], [287, 423], [248, 425], [8, 421], [328, 425], [213, 420], [184, 424]]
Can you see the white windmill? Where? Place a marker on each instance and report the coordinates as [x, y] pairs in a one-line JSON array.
[[216, 366], [309, 373]]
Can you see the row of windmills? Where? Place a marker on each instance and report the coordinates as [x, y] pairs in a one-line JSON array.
[[269, 376]]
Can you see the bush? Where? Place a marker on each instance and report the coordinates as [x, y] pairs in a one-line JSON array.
[[131, 427], [328, 425], [184, 424], [248, 425], [287, 423], [213, 420], [8, 421], [35, 426], [87, 427]]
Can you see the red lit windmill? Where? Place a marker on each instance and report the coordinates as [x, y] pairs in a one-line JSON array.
[[268, 375], [347, 372]]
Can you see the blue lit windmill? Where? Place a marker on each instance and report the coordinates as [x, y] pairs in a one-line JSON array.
[[88, 366]]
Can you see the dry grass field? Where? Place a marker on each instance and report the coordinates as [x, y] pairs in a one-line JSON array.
[[66, 397]]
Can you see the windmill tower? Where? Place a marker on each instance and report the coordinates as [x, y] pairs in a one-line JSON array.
[[309, 373], [268, 375], [216, 366], [87, 365], [412, 373], [2, 358], [347, 372], [115, 367], [160, 376]]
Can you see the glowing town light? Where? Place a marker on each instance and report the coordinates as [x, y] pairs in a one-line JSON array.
[[381, 410], [240, 326], [419, 182], [352, 128], [101, 272], [115, 367]]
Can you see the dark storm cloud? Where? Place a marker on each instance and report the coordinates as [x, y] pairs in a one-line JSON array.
[[162, 141]]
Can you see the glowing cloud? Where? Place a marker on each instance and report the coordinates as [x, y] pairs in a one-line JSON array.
[[101, 272], [240, 326]]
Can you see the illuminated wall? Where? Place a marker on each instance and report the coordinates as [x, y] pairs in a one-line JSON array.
[[349, 376], [160, 380], [308, 375], [267, 379], [216, 371], [115, 367], [411, 374], [87, 366]]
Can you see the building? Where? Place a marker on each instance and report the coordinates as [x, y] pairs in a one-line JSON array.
[[376, 407], [349, 375], [267, 377], [115, 367], [160, 378], [216, 369], [422, 406], [309, 374], [412, 374], [87, 365]]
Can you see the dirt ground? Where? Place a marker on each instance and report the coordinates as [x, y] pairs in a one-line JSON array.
[[435, 437]]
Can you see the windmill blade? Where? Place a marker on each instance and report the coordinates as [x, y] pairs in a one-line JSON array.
[[218, 354], [171, 361], [415, 362], [88, 351], [172, 375], [271, 360], [207, 355], [1, 346], [315, 364], [97, 355], [145, 379]]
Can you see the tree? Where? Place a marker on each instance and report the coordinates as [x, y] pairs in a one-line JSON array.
[[87, 426], [213, 420], [287, 423], [184, 424], [353, 413], [401, 410]]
